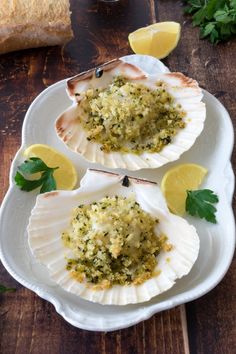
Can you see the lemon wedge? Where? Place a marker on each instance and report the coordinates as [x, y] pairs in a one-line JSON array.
[[158, 39], [177, 181], [65, 175]]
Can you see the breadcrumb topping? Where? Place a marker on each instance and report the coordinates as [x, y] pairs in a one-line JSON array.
[[114, 241], [130, 117]]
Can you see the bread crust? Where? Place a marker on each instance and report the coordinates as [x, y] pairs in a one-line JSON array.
[[32, 23]]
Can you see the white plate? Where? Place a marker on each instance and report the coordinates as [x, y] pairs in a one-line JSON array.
[[213, 150]]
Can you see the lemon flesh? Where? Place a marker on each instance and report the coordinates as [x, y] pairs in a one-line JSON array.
[[66, 175], [177, 181], [157, 40]]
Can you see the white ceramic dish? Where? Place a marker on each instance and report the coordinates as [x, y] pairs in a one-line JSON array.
[[212, 150]]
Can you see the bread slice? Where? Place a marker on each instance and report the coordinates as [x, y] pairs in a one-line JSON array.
[[34, 23]]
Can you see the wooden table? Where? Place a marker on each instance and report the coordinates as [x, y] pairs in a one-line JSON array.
[[29, 324]]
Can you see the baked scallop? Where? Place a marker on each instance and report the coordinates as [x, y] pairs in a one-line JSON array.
[[129, 116], [113, 242]]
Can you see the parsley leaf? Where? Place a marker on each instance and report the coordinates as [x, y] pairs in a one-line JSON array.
[[29, 167], [199, 203], [216, 18], [49, 183], [25, 184], [194, 5], [4, 289], [33, 165]]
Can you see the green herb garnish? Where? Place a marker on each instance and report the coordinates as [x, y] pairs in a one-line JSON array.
[[30, 167], [199, 203], [216, 18], [4, 289]]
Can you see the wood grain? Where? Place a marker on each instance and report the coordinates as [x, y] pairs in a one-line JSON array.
[[29, 324]]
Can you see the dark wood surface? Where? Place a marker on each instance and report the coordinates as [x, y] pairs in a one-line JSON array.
[[29, 324]]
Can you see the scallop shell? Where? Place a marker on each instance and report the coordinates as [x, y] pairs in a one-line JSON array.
[[51, 216], [146, 70]]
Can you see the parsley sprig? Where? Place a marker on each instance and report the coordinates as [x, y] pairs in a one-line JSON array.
[[200, 203], [4, 289], [216, 18], [30, 167]]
